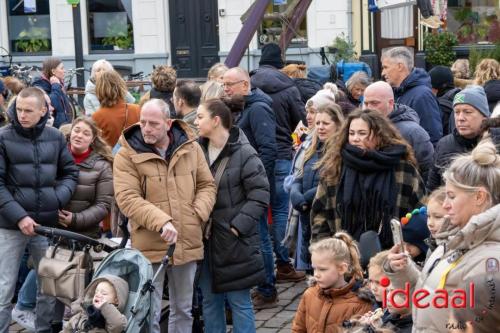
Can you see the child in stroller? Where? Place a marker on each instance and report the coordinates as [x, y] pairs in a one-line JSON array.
[[102, 306]]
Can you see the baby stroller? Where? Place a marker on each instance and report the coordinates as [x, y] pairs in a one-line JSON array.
[[129, 264]]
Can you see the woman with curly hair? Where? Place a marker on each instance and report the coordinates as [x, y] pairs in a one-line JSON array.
[[163, 79], [488, 75], [114, 114], [368, 176]]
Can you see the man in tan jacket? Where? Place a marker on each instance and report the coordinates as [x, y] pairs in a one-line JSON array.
[[164, 186]]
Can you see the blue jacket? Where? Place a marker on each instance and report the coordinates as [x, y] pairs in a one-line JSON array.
[[407, 121], [415, 92], [63, 112], [286, 103], [258, 122]]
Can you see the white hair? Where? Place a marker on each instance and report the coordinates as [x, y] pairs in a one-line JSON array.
[[101, 63], [400, 54], [160, 104]]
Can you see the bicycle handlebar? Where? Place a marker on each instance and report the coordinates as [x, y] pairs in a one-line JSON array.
[[54, 232]]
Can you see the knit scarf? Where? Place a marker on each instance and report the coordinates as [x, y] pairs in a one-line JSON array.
[[367, 191]]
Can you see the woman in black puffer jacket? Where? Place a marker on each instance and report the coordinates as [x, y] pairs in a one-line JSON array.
[[233, 263]]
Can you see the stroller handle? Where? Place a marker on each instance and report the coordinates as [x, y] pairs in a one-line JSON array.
[[54, 232]]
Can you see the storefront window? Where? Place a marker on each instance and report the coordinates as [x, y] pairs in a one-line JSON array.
[[270, 30], [110, 25], [29, 26], [474, 21]]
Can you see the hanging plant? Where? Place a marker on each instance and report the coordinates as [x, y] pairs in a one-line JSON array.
[[439, 48]]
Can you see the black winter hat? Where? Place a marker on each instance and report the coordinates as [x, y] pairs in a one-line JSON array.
[[416, 231], [441, 77], [271, 55]]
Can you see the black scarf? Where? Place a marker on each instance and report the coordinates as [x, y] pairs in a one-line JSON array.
[[469, 144], [367, 191]]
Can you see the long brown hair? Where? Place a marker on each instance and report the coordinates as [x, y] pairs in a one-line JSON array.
[[98, 145], [380, 127], [110, 88], [49, 64], [335, 112]]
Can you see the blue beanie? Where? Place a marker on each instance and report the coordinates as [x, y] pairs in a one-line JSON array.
[[476, 97], [416, 231]]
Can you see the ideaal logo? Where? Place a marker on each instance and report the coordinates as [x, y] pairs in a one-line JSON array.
[[441, 298]]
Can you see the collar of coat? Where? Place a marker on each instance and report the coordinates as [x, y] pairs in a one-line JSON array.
[[331, 293], [30, 133], [484, 227], [133, 140]]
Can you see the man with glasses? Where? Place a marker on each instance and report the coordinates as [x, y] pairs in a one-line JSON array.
[[258, 122]]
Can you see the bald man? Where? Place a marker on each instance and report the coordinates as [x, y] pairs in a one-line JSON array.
[[379, 96]]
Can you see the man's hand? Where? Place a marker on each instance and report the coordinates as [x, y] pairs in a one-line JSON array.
[[398, 260], [169, 233], [27, 226], [65, 218]]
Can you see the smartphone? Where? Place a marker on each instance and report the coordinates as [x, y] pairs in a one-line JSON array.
[[397, 233]]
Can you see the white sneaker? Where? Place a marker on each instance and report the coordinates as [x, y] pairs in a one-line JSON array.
[[24, 318]]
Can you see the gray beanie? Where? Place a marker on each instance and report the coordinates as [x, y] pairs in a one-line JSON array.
[[474, 96]]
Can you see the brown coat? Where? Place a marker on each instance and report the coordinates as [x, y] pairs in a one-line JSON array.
[[112, 120], [152, 192], [93, 197], [323, 311]]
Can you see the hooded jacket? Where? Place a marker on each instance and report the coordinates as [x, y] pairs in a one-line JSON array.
[[258, 121], [242, 198], [492, 90], [287, 105], [307, 88], [93, 197], [92, 104], [63, 111], [407, 121], [445, 102], [415, 92], [37, 173], [116, 322], [151, 191], [476, 243], [324, 310], [449, 146]]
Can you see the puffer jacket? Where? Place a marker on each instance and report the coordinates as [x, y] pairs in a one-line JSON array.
[[287, 105], [476, 243], [445, 101], [323, 311], [151, 192], [492, 90], [63, 111], [258, 121], [116, 322], [242, 198], [90, 102], [415, 92], [37, 173], [307, 88], [407, 122], [93, 197], [449, 146]]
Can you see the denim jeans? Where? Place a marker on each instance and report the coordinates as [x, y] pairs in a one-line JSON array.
[[12, 246], [180, 290], [268, 288], [280, 206], [26, 300], [214, 310]]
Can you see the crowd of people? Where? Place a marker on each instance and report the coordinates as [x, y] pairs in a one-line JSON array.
[[260, 178]]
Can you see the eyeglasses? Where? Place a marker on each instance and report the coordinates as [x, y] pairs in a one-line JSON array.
[[230, 84]]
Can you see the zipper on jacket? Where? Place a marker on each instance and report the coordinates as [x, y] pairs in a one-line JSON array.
[[37, 179]]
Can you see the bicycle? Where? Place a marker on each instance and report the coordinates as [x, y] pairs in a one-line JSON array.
[[135, 83], [76, 108], [5, 69], [24, 73]]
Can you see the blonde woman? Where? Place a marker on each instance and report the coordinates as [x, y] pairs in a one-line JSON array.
[[486, 70]]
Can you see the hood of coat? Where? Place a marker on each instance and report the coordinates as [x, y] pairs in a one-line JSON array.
[[26, 132], [44, 83], [270, 80], [90, 87], [236, 140], [132, 137], [417, 77], [256, 96], [120, 285], [484, 227], [492, 90], [403, 113]]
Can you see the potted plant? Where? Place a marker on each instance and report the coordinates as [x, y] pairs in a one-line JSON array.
[[32, 40], [342, 49], [439, 48], [117, 38]]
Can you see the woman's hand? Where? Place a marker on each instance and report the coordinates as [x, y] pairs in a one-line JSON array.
[[54, 79], [65, 218], [398, 260]]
